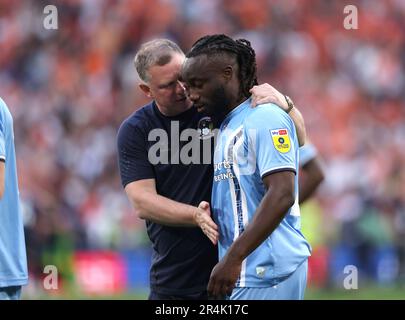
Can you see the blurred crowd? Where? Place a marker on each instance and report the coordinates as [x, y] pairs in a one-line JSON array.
[[69, 89]]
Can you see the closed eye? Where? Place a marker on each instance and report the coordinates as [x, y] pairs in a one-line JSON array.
[[197, 84], [168, 85]]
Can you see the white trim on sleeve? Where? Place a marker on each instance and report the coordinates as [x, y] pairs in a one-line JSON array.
[[277, 169]]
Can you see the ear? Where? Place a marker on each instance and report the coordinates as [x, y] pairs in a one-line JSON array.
[[227, 72], [146, 90]]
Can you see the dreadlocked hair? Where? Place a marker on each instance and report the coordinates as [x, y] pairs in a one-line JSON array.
[[241, 48]]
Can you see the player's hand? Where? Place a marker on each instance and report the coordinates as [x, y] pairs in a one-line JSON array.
[[265, 93], [223, 277], [205, 222]]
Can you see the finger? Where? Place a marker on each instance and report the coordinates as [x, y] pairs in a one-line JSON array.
[[211, 233], [223, 290], [210, 230], [204, 205], [253, 89], [253, 103], [229, 289], [269, 98], [213, 236], [211, 224], [213, 240], [263, 101], [217, 288], [210, 287], [214, 285]]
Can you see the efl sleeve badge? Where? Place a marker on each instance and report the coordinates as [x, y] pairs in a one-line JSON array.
[[281, 140]]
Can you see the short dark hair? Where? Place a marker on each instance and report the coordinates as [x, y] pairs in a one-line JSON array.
[[241, 49], [155, 52]]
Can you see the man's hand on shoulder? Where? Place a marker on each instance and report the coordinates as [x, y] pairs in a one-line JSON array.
[[266, 93], [2, 175]]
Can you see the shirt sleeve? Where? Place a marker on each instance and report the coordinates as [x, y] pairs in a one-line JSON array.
[[2, 138], [133, 154], [272, 133], [307, 153]]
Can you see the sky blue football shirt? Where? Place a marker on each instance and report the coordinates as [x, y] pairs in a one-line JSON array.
[[252, 143], [13, 259], [307, 153]]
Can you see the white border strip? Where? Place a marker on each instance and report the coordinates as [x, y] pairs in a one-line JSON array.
[[277, 168]]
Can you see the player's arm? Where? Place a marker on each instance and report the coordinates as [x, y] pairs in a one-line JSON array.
[[138, 180], [266, 93], [271, 211], [2, 178], [2, 158], [311, 177], [149, 205]]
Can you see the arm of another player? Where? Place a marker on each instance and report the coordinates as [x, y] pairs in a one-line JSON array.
[[149, 205], [266, 93], [2, 157], [2, 173], [271, 211], [311, 177]]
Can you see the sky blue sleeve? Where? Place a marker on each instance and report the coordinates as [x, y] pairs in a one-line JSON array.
[[307, 153], [272, 134], [2, 135]]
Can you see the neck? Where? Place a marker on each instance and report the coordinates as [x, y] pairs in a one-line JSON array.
[[236, 102], [218, 118]]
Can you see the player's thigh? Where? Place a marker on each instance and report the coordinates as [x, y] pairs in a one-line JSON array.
[[10, 293]]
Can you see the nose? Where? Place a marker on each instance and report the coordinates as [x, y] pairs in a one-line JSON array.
[[180, 89], [193, 95]]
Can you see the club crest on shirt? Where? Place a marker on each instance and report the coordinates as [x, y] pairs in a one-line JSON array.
[[260, 271], [281, 140], [205, 128]]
